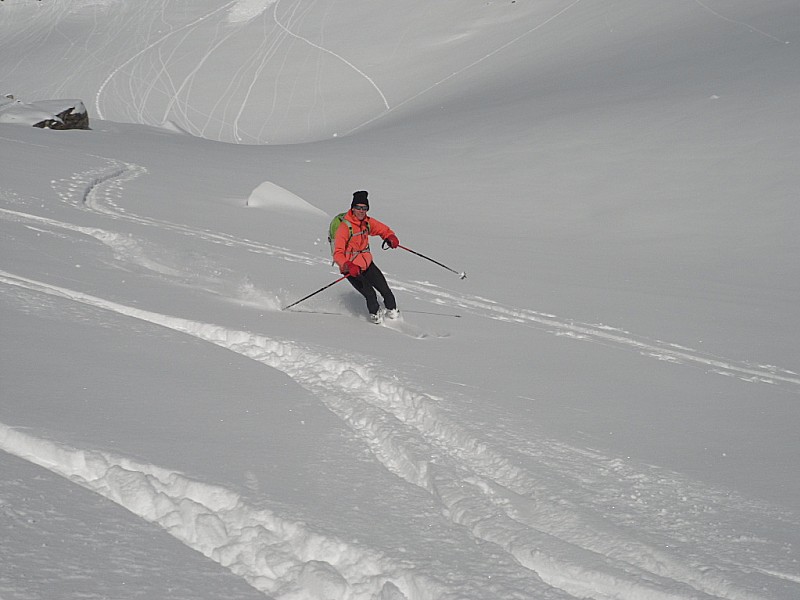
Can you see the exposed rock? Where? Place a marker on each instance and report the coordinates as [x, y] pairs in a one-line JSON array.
[[47, 114]]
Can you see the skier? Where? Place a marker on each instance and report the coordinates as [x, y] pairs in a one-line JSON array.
[[352, 254]]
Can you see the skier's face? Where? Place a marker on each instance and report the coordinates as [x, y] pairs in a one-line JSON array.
[[360, 211]]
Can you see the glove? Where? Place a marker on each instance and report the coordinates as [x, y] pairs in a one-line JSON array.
[[392, 241], [350, 269]]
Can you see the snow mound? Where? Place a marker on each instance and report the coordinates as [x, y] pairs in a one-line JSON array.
[[173, 127], [271, 196], [246, 10]]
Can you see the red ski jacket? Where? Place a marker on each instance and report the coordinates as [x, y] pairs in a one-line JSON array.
[[355, 247]]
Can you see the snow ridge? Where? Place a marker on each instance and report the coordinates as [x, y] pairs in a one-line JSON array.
[[569, 547], [274, 555]]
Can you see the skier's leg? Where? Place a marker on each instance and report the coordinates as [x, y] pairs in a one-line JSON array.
[[364, 288], [377, 280]]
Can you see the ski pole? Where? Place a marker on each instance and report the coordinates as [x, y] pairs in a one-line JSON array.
[[462, 274], [322, 289]]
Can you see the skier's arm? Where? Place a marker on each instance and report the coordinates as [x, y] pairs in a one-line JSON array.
[[381, 229]]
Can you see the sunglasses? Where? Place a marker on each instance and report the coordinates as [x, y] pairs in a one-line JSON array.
[[364, 208]]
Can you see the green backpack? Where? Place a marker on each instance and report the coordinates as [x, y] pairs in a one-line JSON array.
[[334, 226]]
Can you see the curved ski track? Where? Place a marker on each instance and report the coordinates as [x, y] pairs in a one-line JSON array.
[[566, 546]]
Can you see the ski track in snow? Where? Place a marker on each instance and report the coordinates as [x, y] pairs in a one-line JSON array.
[[99, 189], [114, 72], [737, 22], [566, 545], [155, 58], [327, 51], [571, 548]]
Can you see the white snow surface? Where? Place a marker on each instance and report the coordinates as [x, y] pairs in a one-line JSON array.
[[607, 407]]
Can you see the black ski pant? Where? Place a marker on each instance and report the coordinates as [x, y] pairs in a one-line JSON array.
[[370, 280]]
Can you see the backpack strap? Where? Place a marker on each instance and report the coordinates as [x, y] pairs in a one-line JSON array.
[[350, 229], [366, 233]]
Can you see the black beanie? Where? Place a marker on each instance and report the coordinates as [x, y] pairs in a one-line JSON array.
[[360, 198]]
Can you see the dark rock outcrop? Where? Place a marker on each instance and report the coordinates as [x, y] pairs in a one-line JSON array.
[[46, 114], [69, 114]]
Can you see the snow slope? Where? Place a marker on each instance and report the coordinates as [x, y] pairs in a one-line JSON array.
[[607, 407]]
